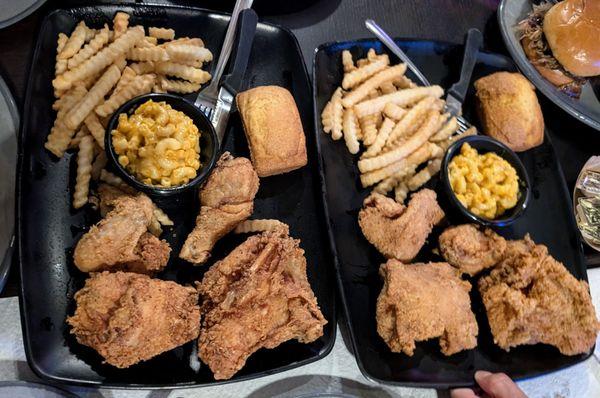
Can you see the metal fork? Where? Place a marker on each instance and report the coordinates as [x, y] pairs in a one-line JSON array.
[[453, 99], [207, 98]]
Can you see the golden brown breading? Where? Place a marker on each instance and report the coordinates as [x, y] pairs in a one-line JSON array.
[[107, 195], [258, 296], [128, 318], [410, 308], [153, 255], [226, 199], [113, 240], [531, 298], [471, 250], [120, 241], [396, 231]]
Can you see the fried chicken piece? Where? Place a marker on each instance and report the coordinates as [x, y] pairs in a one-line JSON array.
[[109, 193], [410, 309], [153, 255], [531, 298], [396, 231], [120, 241], [258, 296], [227, 198], [128, 317], [471, 250]]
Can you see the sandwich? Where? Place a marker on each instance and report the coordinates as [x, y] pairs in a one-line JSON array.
[[561, 41]]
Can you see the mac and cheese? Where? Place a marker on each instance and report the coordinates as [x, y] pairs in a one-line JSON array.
[[158, 145], [485, 184]]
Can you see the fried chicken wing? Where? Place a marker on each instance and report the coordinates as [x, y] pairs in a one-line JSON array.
[[531, 298], [257, 297], [470, 249], [152, 255], [410, 309], [396, 231], [226, 199], [120, 241], [128, 317], [109, 193]]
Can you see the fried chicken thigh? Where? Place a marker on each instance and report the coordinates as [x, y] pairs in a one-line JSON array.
[[120, 241], [226, 199], [531, 298], [424, 301], [396, 231], [128, 318], [257, 297], [471, 250]]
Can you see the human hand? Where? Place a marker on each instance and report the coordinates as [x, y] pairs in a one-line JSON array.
[[494, 385]]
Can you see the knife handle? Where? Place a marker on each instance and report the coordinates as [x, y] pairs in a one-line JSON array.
[[472, 46], [239, 62]]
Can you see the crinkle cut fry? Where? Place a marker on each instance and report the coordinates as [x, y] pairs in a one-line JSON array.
[[76, 115], [406, 164], [101, 59], [429, 127]]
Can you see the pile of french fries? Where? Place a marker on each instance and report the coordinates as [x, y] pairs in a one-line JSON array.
[[98, 70], [402, 127]]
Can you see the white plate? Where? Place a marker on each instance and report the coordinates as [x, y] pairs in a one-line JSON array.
[[12, 11], [9, 126], [586, 108]]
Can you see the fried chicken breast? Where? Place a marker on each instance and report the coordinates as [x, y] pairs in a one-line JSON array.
[[396, 231], [227, 198], [471, 250], [531, 298], [257, 297], [120, 241], [128, 317], [410, 308]]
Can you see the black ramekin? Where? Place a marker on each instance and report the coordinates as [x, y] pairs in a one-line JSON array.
[[209, 147], [484, 144]]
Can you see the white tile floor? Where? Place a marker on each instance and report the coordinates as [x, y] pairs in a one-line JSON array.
[[337, 372]]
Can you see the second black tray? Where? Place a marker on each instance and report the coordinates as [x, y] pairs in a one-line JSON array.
[[549, 219]]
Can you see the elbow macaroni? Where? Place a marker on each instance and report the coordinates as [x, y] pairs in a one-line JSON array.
[[485, 184], [158, 145]]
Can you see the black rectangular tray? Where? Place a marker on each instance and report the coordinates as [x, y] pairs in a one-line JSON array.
[[49, 228], [549, 219]]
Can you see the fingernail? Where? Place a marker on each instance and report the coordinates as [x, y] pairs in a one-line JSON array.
[[481, 374]]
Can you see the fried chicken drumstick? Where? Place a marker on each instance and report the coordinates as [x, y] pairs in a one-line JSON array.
[[531, 298], [470, 249], [396, 231], [410, 309], [129, 317], [121, 240], [226, 199], [257, 297]]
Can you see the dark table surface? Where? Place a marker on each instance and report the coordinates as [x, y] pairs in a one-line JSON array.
[[339, 20]]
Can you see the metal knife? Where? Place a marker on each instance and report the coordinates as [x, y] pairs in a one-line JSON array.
[[232, 83], [456, 94]]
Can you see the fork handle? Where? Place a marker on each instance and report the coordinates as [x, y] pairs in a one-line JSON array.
[[472, 45], [389, 43], [247, 28], [227, 44]]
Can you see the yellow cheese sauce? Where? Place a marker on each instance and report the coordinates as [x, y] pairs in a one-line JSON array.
[[158, 145], [485, 184]]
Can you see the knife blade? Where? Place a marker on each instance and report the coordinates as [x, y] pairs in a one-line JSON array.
[[232, 83]]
